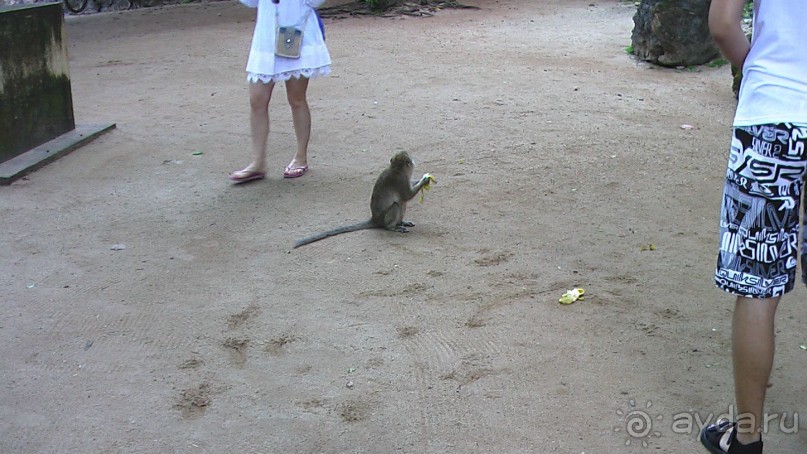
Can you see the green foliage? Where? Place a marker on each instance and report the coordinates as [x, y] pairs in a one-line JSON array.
[[748, 10], [629, 49], [379, 5], [718, 63]]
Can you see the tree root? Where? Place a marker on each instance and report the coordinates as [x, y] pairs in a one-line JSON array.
[[418, 8]]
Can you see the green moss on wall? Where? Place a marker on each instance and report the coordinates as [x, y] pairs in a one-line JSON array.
[[36, 103]]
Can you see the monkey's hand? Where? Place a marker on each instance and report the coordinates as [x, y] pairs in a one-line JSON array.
[[426, 181]]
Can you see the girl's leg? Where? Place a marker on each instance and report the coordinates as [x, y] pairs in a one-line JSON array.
[[259, 96], [301, 117]]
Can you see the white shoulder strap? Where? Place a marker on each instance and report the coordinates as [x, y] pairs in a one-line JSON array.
[[298, 24]]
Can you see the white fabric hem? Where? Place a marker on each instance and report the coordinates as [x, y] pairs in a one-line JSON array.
[[308, 73]]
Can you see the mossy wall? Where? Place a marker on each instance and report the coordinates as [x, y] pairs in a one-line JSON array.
[[36, 104]]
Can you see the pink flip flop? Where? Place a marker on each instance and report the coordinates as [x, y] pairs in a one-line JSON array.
[[242, 176], [294, 171]]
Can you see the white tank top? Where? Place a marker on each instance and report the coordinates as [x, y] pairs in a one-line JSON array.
[[774, 87]]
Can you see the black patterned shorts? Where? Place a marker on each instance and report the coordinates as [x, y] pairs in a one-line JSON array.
[[759, 219]]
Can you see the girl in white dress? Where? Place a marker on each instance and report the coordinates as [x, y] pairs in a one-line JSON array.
[[265, 69]]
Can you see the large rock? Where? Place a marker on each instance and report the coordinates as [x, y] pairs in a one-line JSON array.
[[673, 32]]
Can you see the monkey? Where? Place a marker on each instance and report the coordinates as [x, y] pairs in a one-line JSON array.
[[392, 190]]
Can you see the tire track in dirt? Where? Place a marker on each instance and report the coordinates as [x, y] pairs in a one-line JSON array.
[[447, 357], [107, 337], [464, 353], [448, 364]]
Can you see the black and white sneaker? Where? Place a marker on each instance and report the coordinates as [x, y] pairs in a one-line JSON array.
[[719, 437]]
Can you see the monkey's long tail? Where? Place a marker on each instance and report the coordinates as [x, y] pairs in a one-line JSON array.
[[339, 230]]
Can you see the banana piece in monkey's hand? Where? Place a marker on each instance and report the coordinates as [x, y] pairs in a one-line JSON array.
[[571, 296], [429, 180]]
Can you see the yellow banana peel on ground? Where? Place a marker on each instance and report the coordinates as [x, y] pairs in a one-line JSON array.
[[571, 296]]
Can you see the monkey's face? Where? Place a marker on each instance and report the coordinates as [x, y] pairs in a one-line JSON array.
[[402, 162]]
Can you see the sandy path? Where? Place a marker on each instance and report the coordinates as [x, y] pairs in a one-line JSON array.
[[558, 160]]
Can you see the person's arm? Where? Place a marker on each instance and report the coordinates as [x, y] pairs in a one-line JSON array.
[[725, 25]]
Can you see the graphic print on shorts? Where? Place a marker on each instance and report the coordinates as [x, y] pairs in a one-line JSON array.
[[759, 220]]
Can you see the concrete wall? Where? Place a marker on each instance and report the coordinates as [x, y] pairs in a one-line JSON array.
[[36, 103]]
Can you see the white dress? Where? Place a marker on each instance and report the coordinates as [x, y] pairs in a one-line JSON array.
[[314, 59]]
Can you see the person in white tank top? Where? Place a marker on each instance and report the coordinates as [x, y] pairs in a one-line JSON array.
[[774, 87], [760, 222]]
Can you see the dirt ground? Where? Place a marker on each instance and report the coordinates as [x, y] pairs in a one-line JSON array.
[[151, 307]]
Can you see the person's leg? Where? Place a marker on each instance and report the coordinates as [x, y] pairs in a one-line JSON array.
[[259, 96], [301, 117], [753, 348], [759, 231]]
